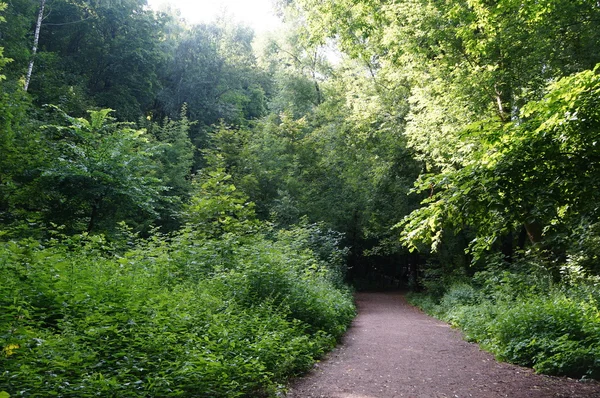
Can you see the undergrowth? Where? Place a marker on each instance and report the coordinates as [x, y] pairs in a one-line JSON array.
[[224, 308], [216, 319], [525, 316]]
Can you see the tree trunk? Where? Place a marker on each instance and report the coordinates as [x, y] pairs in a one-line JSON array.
[[508, 247], [36, 39], [94, 215], [319, 96], [503, 98], [534, 231]]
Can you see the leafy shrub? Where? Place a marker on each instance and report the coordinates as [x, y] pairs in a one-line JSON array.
[[294, 280], [183, 315], [525, 275], [325, 244], [461, 306], [554, 334], [584, 246], [426, 302], [460, 294], [523, 318]]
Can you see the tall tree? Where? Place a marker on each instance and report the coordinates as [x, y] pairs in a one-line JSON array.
[[538, 172], [212, 69], [298, 69], [97, 53], [464, 62], [174, 154], [36, 39]]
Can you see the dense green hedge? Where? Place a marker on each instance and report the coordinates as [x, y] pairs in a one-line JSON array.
[[169, 316], [525, 317]]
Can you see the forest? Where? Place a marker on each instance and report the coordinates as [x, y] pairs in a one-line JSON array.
[[186, 209]]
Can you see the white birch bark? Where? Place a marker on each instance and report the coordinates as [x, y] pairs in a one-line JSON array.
[[36, 39]]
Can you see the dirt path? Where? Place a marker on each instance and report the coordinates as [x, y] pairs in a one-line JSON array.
[[394, 350]]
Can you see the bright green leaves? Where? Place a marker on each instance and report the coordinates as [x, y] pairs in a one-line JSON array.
[[456, 200], [470, 67], [565, 100], [464, 61], [539, 170], [162, 317], [218, 207]]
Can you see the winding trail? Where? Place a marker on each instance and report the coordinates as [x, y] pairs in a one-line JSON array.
[[394, 350]]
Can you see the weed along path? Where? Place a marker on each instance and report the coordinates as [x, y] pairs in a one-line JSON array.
[[394, 350]]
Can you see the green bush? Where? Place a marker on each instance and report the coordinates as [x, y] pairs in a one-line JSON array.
[[554, 328], [183, 315], [293, 280], [554, 334], [460, 294], [426, 302], [325, 245]]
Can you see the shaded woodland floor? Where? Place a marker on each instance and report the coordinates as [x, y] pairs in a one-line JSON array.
[[395, 350]]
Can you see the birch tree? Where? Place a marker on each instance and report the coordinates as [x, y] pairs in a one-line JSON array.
[[36, 39]]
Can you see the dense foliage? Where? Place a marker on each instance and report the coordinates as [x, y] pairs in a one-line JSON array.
[[523, 315], [131, 264], [182, 206], [224, 307]]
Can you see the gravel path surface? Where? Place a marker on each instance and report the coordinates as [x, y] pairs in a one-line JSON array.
[[395, 350]]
